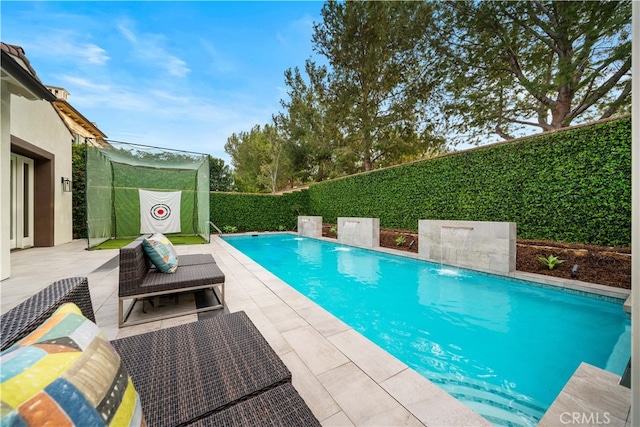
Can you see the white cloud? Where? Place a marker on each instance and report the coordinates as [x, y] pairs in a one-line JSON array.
[[304, 25], [151, 49], [219, 63], [176, 66], [87, 94], [64, 45], [85, 84], [127, 33], [169, 96], [298, 31], [92, 54]]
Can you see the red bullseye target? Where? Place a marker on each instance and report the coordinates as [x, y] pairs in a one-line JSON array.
[[160, 212]]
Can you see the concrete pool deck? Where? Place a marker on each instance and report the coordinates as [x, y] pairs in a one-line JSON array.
[[344, 378]]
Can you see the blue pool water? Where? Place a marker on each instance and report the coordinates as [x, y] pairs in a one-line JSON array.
[[503, 347]]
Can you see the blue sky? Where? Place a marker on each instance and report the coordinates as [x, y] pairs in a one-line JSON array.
[[183, 75]]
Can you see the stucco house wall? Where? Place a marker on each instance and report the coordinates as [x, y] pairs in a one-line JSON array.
[[31, 127], [37, 123], [5, 188]]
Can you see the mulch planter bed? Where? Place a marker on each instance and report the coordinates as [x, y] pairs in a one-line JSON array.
[[609, 266]]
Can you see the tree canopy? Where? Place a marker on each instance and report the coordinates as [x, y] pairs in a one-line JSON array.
[[220, 175], [511, 65], [311, 134], [372, 52], [257, 159]]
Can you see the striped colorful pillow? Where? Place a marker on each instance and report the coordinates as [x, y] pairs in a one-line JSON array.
[[66, 373]]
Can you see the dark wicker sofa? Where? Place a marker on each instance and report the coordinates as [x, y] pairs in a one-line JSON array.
[[219, 371], [139, 279]]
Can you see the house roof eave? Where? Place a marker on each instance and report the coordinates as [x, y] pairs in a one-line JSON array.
[[64, 107], [22, 80]]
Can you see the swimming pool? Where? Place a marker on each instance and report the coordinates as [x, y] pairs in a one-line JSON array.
[[503, 347]]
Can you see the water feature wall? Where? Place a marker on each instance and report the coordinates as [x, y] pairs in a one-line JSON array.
[[362, 232], [310, 226], [478, 245]]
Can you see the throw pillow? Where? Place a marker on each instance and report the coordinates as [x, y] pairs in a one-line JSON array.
[[165, 241], [66, 373], [161, 253]]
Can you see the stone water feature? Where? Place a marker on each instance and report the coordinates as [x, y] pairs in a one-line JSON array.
[[478, 245], [362, 232], [310, 226]]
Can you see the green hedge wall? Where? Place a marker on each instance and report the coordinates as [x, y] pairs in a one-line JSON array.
[[258, 212], [78, 196], [571, 186]]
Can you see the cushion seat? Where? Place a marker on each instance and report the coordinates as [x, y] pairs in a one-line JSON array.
[[194, 259], [197, 275]]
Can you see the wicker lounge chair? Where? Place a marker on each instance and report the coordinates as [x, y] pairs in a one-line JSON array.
[[139, 280], [219, 371]]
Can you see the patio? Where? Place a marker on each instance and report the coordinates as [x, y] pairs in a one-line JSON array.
[[344, 378]]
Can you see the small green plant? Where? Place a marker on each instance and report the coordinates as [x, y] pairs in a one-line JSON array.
[[551, 261], [229, 228], [282, 228], [400, 240], [333, 229]]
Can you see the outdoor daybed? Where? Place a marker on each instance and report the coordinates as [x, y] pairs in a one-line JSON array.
[[218, 371], [139, 279]]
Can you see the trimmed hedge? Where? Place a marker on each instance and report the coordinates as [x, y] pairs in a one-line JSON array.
[[258, 212], [570, 186], [78, 196]]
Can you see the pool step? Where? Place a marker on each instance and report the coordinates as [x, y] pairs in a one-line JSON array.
[[498, 410], [500, 417], [497, 406]]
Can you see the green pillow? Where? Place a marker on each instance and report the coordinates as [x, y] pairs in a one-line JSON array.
[[161, 253], [66, 373]]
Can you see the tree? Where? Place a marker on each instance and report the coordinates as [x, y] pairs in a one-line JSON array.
[[510, 65], [311, 134], [271, 169], [372, 48], [245, 158], [220, 175], [257, 158]]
